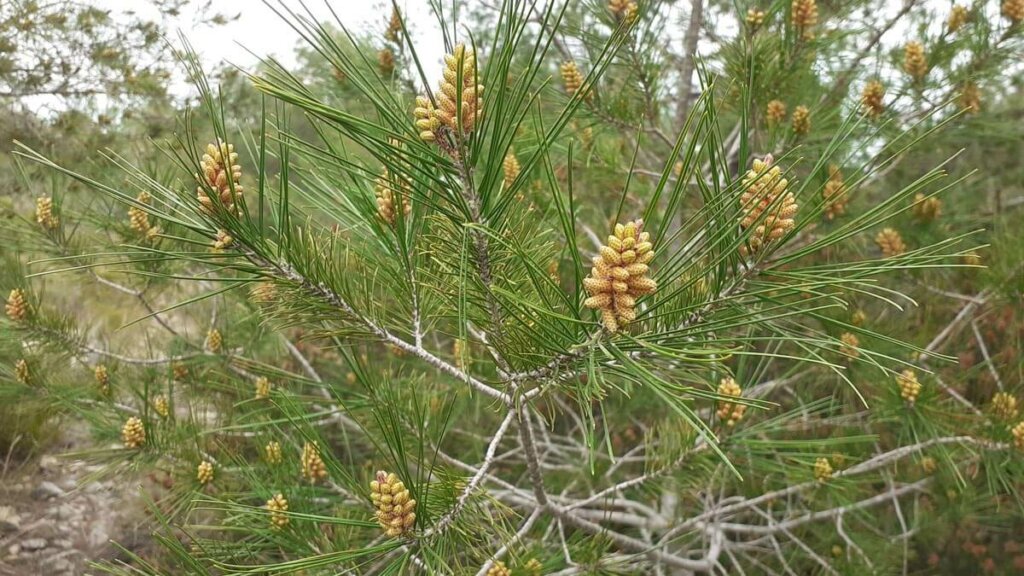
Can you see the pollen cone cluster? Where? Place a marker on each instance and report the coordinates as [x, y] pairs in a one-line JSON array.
[[102, 378], [834, 193], [262, 388], [766, 204], [17, 306], [1004, 406], [510, 167], [313, 467], [805, 17], [534, 567], [849, 344], [204, 473], [890, 243], [263, 293], [214, 341], [619, 275], [396, 510], [222, 241], [133, 434], [801, 120], [278, 508], [957, 18], [775, 112], [391, 190], [1013, 10], [499, 569], [386, 61], [872, 99], [21, 371], [459, 87], [161, 406], [915, 62], [755, 18], [426, 119], [572, 78], [221, 175], [1018, 435], [926, 208], [910, 388], [822, 470], [394, 26], [623, 9], [138, 219], [272, 452], [970, 98], [730, 412], [44, 213]]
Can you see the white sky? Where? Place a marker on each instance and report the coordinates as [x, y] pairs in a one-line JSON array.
[[260, 32]]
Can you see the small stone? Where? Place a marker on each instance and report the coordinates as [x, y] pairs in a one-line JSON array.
[[13, 550], [65, 512], [62, 543], [33, 544], [9, 520], [47, 490], [48, 463]]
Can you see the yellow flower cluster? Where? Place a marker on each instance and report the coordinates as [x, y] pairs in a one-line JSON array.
[[133, 433], [534, 567], [21, 371], [915, 62], [278, 508], [766, 204], [272, 452], [386, 188], [805, 17], [929, 465], [1004, 406], [510, 167], [17, 305], [204, 473], [313, 467], [730, 412], [834, 193], [214, 341], [890, 243], [221, 175], [958, 16], [161, 406], [910, 388], [822, 470], [179, 371], [619, 275], [263, 293], [775, 112], [44, 213], [801, 120], [1013, 10], [426, 119], [872, 99], [262, 388], [926, 208], [396, 510]]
